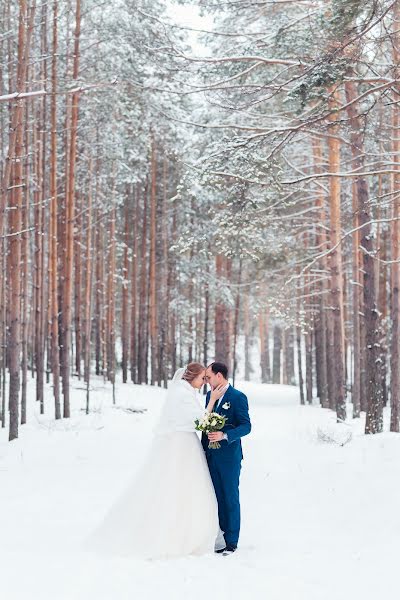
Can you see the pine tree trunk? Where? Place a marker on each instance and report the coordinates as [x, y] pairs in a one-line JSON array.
[[222, 342], [263, 322], [42, 181], [172, 282], [383, 304], [395, 244], [321, 324], [276, 364], [24, 290], [3, 317], [320, 353], [38, 278], [374, 421], [142, 342], [69, 225], [235, 324], [53, 250], [206, 324], [336, 295], [16, 198], [246, 332], [309, 367], [99, 296], [87, 314], [110, 331], [291, 378], [164, 308], [88, 295], [284, 379], [300, 365], [134, 301], [153, 271], [356, 389], [78, 285], [125, 300]]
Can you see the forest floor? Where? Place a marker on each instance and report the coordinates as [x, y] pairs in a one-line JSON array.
[[320, 520]]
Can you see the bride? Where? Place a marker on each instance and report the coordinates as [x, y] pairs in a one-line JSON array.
[[170, 508]]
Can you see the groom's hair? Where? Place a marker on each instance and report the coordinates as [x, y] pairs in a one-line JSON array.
[[219, 367]]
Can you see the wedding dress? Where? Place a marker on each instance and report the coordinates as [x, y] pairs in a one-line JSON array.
[[170, 508]]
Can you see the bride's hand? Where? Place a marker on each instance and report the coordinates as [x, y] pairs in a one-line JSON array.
[[216, 393]]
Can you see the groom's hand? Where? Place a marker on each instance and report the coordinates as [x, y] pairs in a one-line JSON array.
[[216, 436]]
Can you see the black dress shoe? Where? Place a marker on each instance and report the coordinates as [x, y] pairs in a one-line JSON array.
[[220, 550]]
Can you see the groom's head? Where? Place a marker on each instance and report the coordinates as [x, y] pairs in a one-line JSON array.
[[216, 374]]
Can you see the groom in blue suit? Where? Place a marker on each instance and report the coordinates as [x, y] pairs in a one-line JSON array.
[[225, 462]]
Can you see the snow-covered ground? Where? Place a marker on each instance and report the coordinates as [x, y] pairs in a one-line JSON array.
[[320, 521]]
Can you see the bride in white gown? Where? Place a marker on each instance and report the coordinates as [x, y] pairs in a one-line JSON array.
[[170, 508]]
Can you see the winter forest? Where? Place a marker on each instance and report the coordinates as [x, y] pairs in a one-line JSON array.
[[193, 180], [171, 194]]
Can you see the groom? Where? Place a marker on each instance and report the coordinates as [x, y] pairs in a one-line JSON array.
[[225, 462]]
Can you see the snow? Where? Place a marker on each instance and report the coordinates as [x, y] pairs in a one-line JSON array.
[[188, 15], [319, 520]]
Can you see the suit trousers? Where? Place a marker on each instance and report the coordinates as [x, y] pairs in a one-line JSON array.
[[225, 476]]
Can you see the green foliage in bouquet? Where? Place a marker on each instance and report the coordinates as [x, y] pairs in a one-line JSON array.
[[208, 424]]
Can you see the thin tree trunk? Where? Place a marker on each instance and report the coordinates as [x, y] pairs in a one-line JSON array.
[[125, 300], [263, 324], [236, 322], [300, 365], [222, 345], [356, 389], [309, 367], [276, 365], [164, 309], [24, 291], [336, 263], [88, 294], [142, 343], [134, 301], [395, 243], [153, 272], [16, 198], [69, 224], [111, 304], [246, 333], [99, 296], [39, 363], [78, 285]]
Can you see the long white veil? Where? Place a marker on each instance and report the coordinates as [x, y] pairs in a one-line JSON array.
[[178, 374], [174, 410]]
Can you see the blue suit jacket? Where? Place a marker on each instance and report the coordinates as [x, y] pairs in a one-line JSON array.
[[237, 425]]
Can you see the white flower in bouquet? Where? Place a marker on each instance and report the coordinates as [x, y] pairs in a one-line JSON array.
[[209, 423]]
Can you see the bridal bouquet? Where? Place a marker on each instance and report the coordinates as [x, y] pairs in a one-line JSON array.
[[209, 423]]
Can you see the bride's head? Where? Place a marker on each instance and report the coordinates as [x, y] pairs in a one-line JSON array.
[[194, 374]]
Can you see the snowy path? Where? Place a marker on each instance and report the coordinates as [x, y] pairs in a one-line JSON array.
[[320, 521]]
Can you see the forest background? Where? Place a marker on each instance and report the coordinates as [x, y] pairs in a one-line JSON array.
[[171, 194]]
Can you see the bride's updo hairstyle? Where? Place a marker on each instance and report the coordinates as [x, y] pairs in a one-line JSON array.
[[192, 371]]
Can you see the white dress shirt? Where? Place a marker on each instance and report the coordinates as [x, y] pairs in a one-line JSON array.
[[222, 397], [218, 405]]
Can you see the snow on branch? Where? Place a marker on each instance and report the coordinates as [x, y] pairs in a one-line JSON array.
[[82, 88], [8, 235], [235, 59], [22, 95]]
